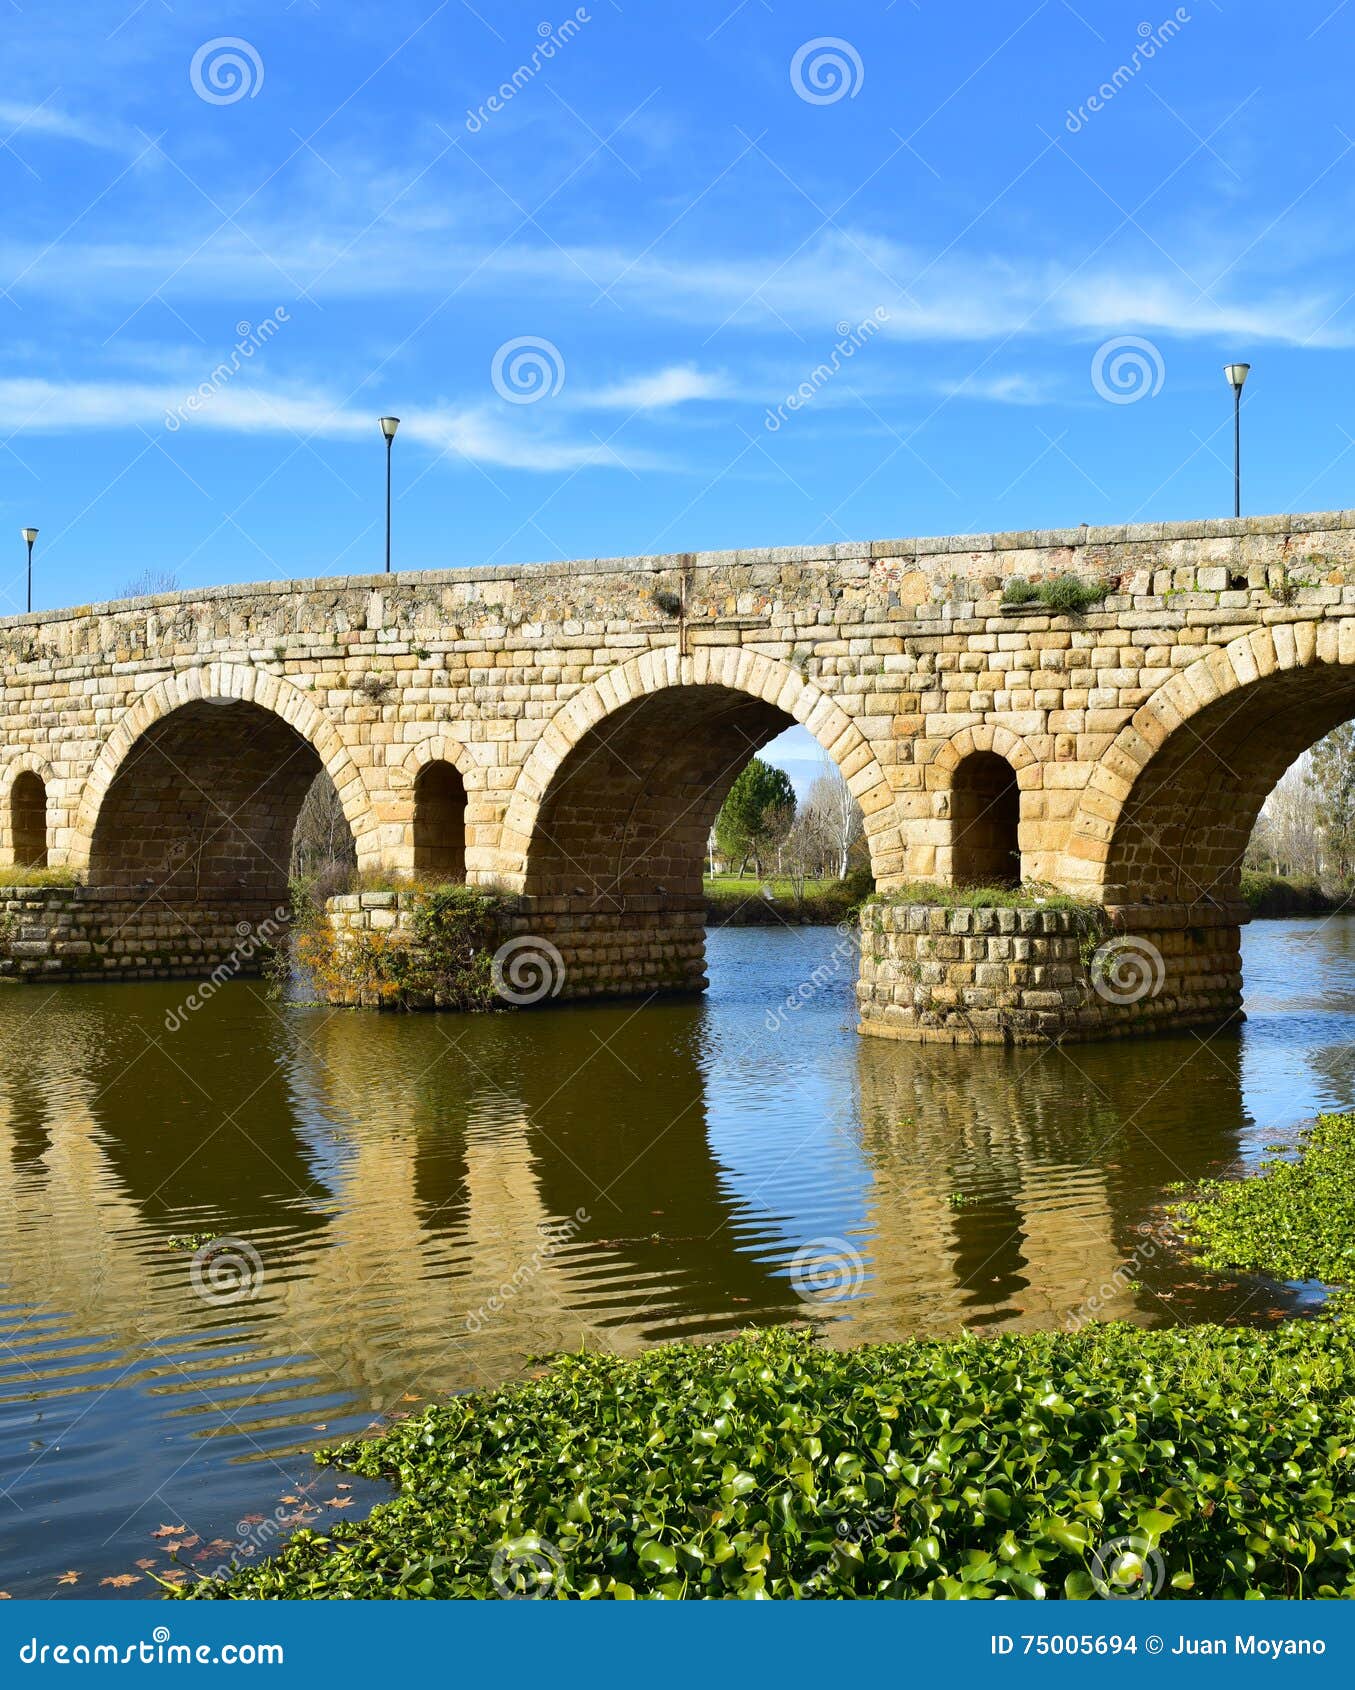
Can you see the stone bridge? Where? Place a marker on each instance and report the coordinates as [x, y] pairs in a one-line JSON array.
[[569, 731]]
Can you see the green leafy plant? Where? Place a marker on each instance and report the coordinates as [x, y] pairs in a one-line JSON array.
[[1029, 896], [1019, 591], [771, 1467], [440, 955], [1295, 1219]]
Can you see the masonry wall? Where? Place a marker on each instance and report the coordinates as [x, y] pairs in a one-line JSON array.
[[907, 639], [1142, 734], [54, 934], [1022, 976]]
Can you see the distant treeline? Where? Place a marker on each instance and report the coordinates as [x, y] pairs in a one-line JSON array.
[[1268, 895]]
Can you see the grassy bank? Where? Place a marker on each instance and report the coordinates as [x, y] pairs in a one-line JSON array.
[[1010, 1466], [734, 900]]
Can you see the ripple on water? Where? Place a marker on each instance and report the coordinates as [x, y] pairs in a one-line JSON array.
[[432, 1200]]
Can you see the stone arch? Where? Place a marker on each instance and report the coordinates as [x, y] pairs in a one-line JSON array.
[[732, 673], [439, 789], [1168, 810], [29, 811], [224, 684], [980, 777]]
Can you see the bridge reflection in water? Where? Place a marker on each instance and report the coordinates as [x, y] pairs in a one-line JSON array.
[[432, 1200]]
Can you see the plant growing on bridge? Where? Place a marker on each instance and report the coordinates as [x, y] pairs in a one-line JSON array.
[[440, 955], [1070, 595]]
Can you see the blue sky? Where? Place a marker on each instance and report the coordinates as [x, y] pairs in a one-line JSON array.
[[691, 207]]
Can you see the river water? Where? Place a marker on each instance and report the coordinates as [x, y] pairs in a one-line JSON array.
[[419, 1204]]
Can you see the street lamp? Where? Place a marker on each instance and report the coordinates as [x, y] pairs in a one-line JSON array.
[[388, 428], [30, 534], [1237, 374]]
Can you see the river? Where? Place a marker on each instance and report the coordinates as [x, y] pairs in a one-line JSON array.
[[420, 1204]]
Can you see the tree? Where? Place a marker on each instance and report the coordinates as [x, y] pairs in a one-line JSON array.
[[1331, 773], [757, 812], [835, 818], [148, 583], [322, 845]]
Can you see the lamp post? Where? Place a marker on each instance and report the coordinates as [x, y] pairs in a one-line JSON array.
[[388, 428], [30, 534], [1237, 374]]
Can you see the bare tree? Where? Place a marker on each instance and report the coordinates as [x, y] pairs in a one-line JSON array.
[[148, 583], [322, 846], [835, 817]]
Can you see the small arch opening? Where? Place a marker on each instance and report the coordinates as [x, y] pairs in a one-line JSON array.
[[440, 822], [985, 822], [28, 820]]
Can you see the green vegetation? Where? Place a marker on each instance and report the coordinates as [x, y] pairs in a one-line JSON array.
[[1065, 595], [757, 812], [767, 1466], [1293, 1220], [734, 900], [1270, 895], [1028, 897], [443, 957], [18, 876]]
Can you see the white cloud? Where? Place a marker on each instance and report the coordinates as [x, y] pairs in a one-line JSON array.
[[961, 297], [18, 120], [1016, 389], [34, 405], [657, 391]]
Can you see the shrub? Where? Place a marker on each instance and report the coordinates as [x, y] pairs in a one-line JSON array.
[[1069, 595], [1019, 591], [443, 957]]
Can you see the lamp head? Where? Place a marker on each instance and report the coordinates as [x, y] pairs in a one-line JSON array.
[[389, 426], [29, 534], [1236, 374]]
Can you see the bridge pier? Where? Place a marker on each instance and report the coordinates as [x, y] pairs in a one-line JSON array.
[[63, 933], [1025, 976]]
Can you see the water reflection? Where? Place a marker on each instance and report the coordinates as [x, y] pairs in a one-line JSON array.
[[435, 1199]]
